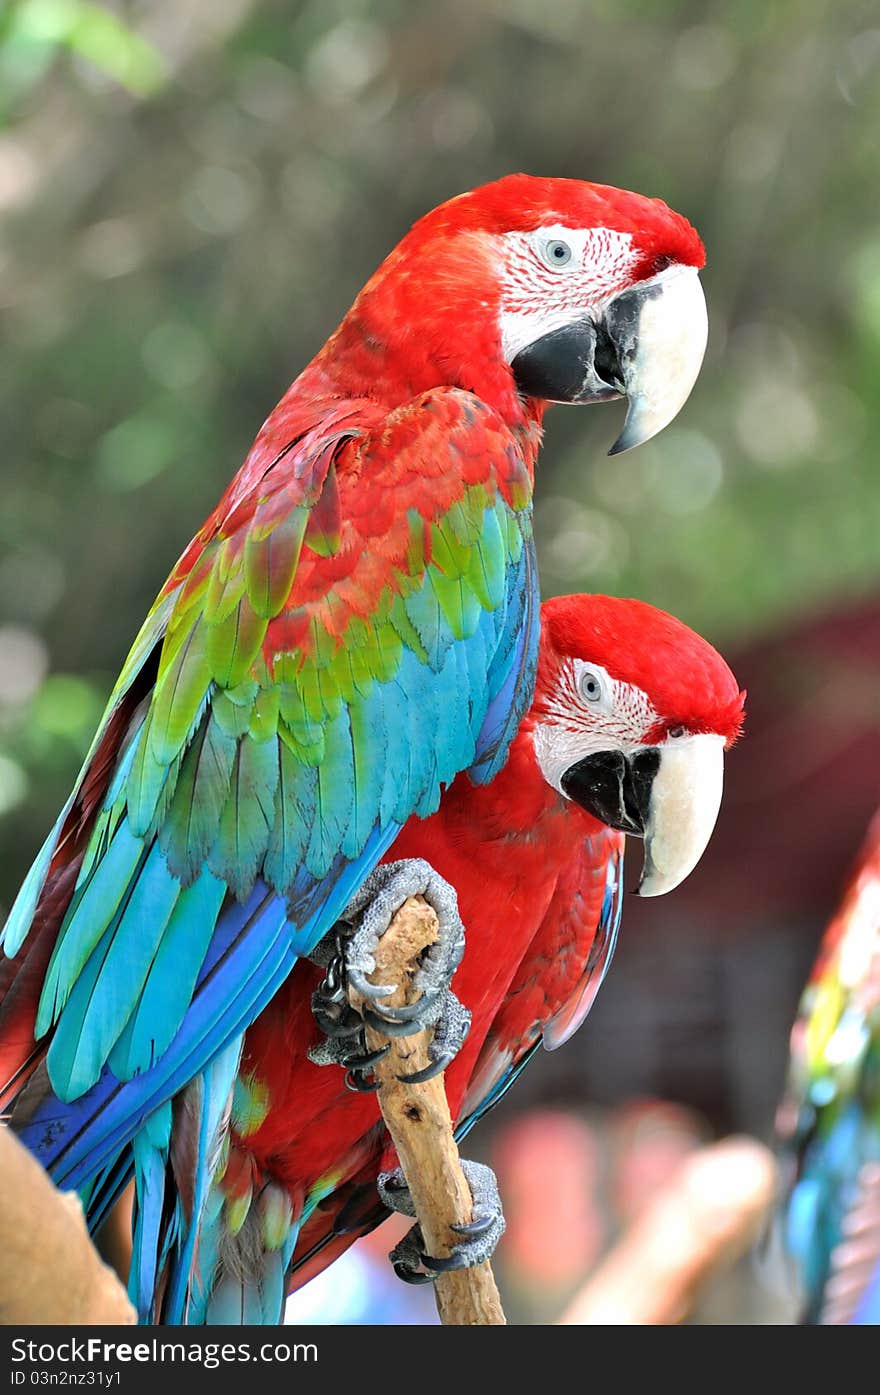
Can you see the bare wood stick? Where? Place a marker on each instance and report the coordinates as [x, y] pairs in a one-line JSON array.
[[700, 1223], [419, 1122], [49, 1270]]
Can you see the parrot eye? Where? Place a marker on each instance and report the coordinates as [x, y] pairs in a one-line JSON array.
[[591, 687], [557, 253], [675, 732]]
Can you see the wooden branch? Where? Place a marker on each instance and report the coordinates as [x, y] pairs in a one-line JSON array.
[[50, 1272], [418, 1120], [699, 1224]]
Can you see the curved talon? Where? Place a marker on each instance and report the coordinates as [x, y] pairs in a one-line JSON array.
[[479, 1236], [367, 1059], [336, 1026], [412, 1276], [442, 1264], [332, 986], [366, 989], [478, 1226], [360, 1087], [348, 953], [411, 1012], [389, 1029], [419, 1077]]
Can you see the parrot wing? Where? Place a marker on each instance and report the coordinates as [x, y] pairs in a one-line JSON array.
[[829, 1120], [355, 624], [31, 929], [559, 976], [554, 986], [214, 1238]]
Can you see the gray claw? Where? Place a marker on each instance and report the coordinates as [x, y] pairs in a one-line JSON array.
[[374, 906], [348, 956], [359, 1086], [481, 1235], [373, 992], [410, 1012], [336, 1027], [411, 1276], [442, 1264], [450, 1033], [365, 1059], [406, 1259], [357, 1067], [478, 1226], [390, 1029], [418, 1077]]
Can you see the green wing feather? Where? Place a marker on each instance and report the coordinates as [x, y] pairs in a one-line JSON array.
[[326, 651]]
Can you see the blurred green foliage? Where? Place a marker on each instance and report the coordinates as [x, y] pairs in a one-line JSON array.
[[192, 194], [32, 32]]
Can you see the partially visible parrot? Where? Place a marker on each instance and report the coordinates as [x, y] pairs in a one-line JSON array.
[[626, 734], [829, 1120], [354, 625]]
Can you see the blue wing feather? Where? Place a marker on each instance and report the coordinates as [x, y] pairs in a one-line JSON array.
[[511, 676], [126, 1043]]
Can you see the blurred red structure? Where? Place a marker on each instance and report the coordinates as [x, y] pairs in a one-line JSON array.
[[549, 1167]]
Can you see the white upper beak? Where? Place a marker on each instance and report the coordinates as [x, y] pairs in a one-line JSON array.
[[667, 341], [684, 804]]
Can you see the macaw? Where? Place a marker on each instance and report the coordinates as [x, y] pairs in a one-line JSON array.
[[354, 625], [829, 1120], [631, 715]]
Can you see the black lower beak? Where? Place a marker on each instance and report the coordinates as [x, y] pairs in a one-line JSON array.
[[614, 788], [577, 363]]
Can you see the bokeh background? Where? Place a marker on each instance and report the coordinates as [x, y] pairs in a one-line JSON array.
[[191, 195]]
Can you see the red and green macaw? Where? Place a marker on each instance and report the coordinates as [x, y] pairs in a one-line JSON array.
[[631, 715], [829, 1121], [354, 625]]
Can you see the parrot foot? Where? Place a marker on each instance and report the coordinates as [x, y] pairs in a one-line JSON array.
[[347, 956], [479, 1236], [334, 1015], [450, 1034], [373, 908]]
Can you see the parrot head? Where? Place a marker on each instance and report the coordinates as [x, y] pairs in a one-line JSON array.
[[548, 290], [632, 715]]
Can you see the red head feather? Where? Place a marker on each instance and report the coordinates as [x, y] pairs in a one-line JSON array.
[[430, 314], [686, 680], [524, 202]]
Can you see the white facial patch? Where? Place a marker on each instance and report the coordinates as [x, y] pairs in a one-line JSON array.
[[542, 291], [574, 725]]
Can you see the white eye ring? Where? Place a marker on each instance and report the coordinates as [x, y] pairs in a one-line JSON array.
[[557, 253], [591, 687]]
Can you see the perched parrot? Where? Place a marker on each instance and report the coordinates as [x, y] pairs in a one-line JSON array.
[[631, 716], [829, 1120], [354, 625]]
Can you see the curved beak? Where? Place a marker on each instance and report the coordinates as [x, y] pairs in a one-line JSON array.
[[647, 345], [685, 799], [669, 795], [660, 329]]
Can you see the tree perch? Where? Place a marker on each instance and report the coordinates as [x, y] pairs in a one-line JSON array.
[[417, 1118], [50, 1273], [699, 1224]]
